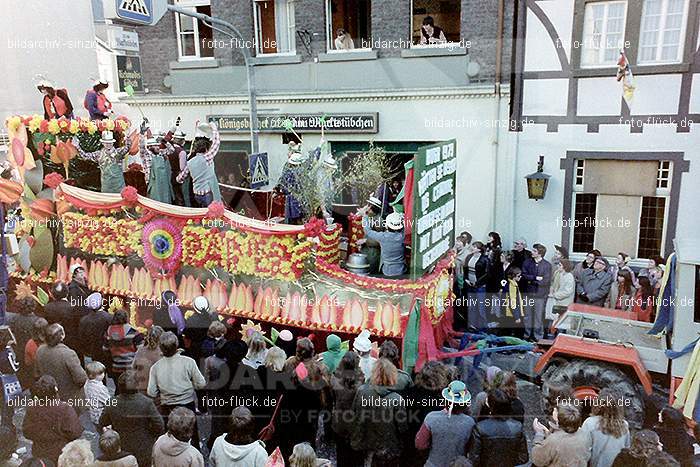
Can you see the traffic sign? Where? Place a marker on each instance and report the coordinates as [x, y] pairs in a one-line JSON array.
[[141, 12]]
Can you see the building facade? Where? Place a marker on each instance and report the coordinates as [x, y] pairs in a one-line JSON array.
[[416, 94], [517, 80], [625, 174]]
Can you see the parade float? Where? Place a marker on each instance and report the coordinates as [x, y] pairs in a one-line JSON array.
[[256, 272]]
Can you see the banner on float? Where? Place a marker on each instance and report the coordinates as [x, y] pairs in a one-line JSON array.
[[433, 216]]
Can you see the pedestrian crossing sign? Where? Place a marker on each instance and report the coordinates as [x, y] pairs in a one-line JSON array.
[[135, 10], [259, 173]]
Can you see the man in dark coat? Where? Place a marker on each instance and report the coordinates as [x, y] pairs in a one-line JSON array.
[[135, 417], [78, 290], [537, 273], [92, 329], [60, 311], [498, 441]]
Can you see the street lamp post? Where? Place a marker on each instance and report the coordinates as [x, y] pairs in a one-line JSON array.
[[250, 70]]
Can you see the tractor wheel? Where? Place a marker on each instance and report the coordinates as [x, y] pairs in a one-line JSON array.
[[584, 377]]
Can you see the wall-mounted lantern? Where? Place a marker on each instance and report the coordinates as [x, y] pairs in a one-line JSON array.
[[537, 182]]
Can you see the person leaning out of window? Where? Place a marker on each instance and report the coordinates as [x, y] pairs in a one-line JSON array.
[[431, 34]]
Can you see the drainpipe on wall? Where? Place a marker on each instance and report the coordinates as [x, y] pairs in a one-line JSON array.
[[496, 111]]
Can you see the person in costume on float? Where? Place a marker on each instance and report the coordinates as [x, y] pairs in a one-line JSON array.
[[96, 102], [200, 165], [293, 212], [370, 248], [109, 159], [329, 166], [391, 243], [55, 102], [174, 142], [157, 168]]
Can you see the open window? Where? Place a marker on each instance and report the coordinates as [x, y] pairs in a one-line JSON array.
[[348, 25], [603, 33], [274, 27], [194, 38], [435, 24]]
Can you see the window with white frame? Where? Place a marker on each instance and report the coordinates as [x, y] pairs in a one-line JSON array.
[[603, 33], [194, 38], [435, 23], [348, 25], [661, 31], [274, 27]]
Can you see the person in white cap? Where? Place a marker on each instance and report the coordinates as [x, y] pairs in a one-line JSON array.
[[156, 167], [363, 346], [391, 243], [55, 102], [96, 103], [109, 159], [200, 166], [289, 183]]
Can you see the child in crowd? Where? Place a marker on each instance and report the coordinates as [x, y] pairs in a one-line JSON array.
[[96, 393]]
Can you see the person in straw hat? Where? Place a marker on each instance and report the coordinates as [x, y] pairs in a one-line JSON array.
[[109, 159], [446, 433]]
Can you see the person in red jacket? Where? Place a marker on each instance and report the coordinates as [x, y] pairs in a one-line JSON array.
[[55, 102]]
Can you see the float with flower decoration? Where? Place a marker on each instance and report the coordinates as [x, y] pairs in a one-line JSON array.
[[280, 275]]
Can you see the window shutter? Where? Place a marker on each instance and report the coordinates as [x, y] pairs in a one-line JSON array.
[[620, 177]]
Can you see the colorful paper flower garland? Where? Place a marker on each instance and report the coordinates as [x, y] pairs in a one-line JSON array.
[[162, 246]]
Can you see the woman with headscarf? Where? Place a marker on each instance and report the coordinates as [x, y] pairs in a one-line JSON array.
[[331, 357]]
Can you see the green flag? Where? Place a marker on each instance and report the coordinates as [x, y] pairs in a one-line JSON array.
[[129, 90], [410, 339]]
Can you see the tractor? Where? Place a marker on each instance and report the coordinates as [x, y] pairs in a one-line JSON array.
[[597, 347]]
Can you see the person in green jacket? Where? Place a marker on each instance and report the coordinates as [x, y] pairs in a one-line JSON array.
[[157, 169], [109, 159]]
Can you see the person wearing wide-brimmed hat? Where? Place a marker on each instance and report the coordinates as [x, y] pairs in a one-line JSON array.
[[55, 102], [93, 327], [289, 183], [109, 159], [96, 102], [197, 326], [446, 432]]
